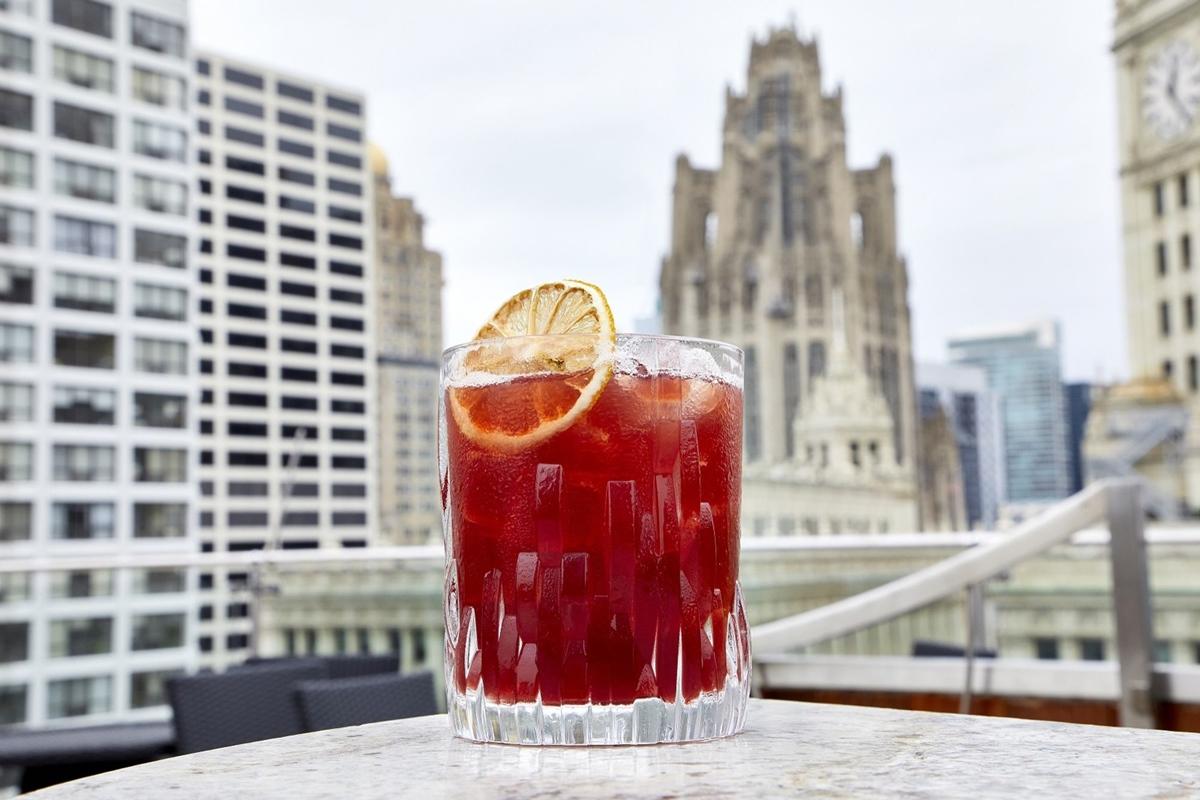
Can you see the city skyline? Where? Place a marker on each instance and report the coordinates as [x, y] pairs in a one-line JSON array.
[[497, 149]]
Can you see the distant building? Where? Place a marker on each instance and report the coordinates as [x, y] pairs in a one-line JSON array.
[[1079, 404], [1023, 366], [939, 471], [763, 248], [1156, 44], [98, 369], [975, 415], [408, 342]]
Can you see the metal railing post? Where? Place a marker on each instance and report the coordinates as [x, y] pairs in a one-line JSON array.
[[975, 643], [1132, 607]]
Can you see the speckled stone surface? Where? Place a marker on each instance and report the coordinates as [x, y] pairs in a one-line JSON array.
[[788, 749]]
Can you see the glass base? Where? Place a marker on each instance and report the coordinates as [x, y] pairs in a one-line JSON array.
[[646, 721]]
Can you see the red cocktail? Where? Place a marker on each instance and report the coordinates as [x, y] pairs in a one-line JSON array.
[[592, 543]]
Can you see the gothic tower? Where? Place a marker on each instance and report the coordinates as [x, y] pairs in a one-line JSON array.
[[762, 245]]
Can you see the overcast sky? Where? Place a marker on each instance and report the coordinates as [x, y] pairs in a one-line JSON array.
[[539, 138]]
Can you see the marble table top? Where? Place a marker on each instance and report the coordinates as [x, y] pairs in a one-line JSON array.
[[788, 749]]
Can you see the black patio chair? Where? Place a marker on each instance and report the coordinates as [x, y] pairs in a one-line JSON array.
[[239, 706], [356, 701], [361, 665], [350, 666]]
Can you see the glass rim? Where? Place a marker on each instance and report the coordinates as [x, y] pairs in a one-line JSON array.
[[664, 337]]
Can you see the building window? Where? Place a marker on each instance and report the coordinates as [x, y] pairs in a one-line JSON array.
[[345, 187], [81, 583], [151, 410], [1185, 251], [85, 237], [297, 176], [165, 249], [16, 402], [1189, 312], [159, 89], [1160, 250], [300, 121], [160, 195], [1182, 184], [16, 226], [87, 350], [16, 52], [16, 462], [85, 293], [77, 697], [295, 92], [1193, 378], [81, 405], [82, 520], [157, 35], [243, 78], [1164, 318], [84, 125], [16, 521], [296, 148], [16, 110], [88, 16], [159, 520], [343, 132], [16, 168], [16, 343], [343, 104], [13, 699], [88, 636], [83, 69], [1091, 649], [159, 302], [14, 642], [159, 465], [85, 181], [244, 107], [149, 689], [1168, 369], [1160, 200], [1046, 648], [343, 159], [157, 631], [347, 214], [79, 463], [160, 356], [16, 284], [155, 140]]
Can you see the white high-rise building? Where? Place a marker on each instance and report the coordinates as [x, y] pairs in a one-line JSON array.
[[98, 378], [287, 351]]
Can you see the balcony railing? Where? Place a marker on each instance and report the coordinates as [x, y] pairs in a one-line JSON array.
[[1134, 681]]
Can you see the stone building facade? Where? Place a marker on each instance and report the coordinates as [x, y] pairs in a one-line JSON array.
[[789, 253], [408, 290], [1156, 45]]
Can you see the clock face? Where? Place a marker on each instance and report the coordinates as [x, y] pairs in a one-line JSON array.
[[1171, 91]]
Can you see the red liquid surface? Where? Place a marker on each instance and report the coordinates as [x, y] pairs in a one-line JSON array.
[[599, 565]]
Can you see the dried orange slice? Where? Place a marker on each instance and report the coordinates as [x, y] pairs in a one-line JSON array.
[[543, 359]]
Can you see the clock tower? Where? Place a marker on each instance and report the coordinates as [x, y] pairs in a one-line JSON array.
[[1156, 44]]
